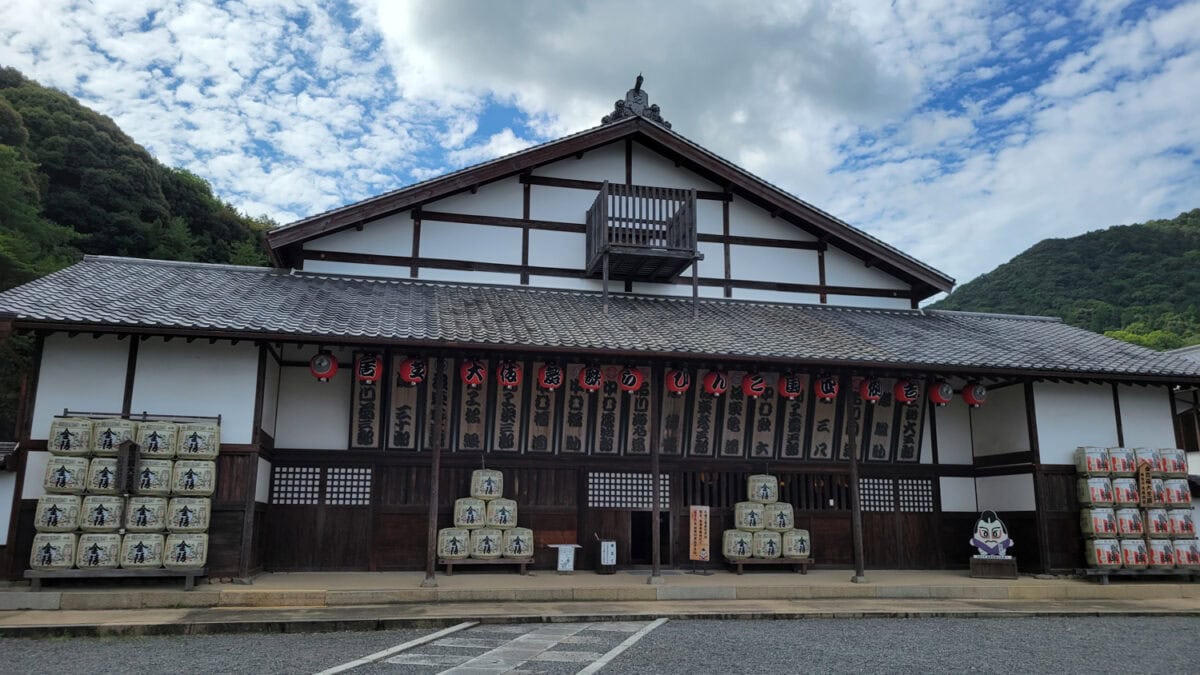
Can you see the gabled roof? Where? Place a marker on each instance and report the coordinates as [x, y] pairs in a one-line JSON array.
[[158, 297], [286, 240]]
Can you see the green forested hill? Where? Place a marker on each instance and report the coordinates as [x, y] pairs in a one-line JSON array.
[[71, 182], [1139, 283]]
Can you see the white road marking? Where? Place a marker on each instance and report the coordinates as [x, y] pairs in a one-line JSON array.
[[371, 658], [616, 651], [566, 657], [469, 643], [439, 660], [517, 651]]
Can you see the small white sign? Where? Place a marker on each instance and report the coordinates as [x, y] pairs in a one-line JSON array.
[[566, 556], [608, 552]]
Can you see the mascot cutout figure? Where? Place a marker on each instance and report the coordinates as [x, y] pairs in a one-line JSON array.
[[991, 537]]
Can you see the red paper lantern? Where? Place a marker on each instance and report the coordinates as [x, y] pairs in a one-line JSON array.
[[906, 392], [754, 385], [941, 393], [590, 378], [509, 374], [678, 382], [550, 376], [790, 385], [411, 371], [716, 382], [826, 387], [870, 389], [323, 366], [630, 380], [473, 372], [974, 394], [368, 368]]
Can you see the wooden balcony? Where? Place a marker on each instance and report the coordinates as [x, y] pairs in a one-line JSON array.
[[641, 233]]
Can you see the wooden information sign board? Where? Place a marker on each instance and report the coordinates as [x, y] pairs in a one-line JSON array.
[[698, 534]]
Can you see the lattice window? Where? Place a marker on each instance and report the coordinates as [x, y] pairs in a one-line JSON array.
[[348, 486], [296, 485], [916, 495], [878, 494], [607, 490]]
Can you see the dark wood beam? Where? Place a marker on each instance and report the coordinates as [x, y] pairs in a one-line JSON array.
[[594, 186]]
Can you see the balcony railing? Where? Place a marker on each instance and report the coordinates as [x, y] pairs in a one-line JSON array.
[[654, 224]]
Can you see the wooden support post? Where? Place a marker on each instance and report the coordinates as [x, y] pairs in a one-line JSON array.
[[1196, 417], [439, 422], [860, 575], [1039, 515], [695, 288], [1117, 415], [655, 487], [605, 277]]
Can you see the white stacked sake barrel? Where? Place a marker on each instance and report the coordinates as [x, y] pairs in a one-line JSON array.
[[750, 517], [485, 523], [57, 516]]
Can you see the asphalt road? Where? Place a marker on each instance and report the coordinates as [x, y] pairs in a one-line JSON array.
[[1026, 645]]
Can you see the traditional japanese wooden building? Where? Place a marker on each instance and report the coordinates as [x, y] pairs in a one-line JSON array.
[[565, 314]]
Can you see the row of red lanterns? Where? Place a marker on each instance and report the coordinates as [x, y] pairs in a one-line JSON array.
[[473, 373]]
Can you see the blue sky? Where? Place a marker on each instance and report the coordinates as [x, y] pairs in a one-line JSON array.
[[959, 131]]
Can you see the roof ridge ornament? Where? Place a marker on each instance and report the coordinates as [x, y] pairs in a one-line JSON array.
[[637, 102]]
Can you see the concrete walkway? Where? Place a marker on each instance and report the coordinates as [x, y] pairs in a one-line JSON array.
[[367, 601]]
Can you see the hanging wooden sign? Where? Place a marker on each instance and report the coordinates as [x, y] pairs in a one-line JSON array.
[[543, 401], [733, 437], [879, 447], [637, 438], [698, 534], [795, 410], [472, 422], [367, 402], [608, 414], [820, 446], [576, 413], [438, 385], [402, 428], [764, 413], [853, 426], [910, 421], [704, 423], [674, 412], [506, 428]]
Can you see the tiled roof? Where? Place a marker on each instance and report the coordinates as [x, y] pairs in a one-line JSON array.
[[261, 302]]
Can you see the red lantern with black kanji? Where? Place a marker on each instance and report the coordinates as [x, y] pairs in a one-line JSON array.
[[716, 382], [678, 382], [630, 380], [754, 385], [790, 385], [906, 392], [550, 376], [323, 366], [974, 394], [508, 374], [941, 393], [870, 389], [826, 387], [368, 368], [473, 373], [411, 371], [591, 378]]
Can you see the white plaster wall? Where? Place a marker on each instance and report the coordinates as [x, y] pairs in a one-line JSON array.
[[1005, 493], [775, 296], [386, 236], [869, 302], [8, 488], [843, 269], [710, 217], [355, 269], [568, 283], [503, 278], [270, 395], [747, 220], [604, 163], [79, 373], [954, 433], [568, 205], [35, 474], [1193, 462], [504, 198], [958, 494], [312, 414], [262, 482], [1000, 425], [651, 168], [177, 378], [1146, 417], [927, 437], [713, 264], [1073, 415], [564, 250], [464, 241], [760, 263]]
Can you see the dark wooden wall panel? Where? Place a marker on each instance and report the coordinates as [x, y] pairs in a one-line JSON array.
[[335, 538], [954, 534], [225, 542], [400, 540], [18, 560], [235, 477]]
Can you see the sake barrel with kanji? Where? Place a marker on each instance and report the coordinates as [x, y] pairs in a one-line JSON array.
[[66, 475], [70, 437], [749, 516], [157, 440], [1162, 554], [779, 516], [737, 544], [1172, 462], [796, 544], [1134, 554], [1091, 461], [153, 477], [198, 440], [1130, 524], [194, 478], [188, 514], [101, 513], [108, 435], [1178, 492], [141, 550], [1147, 457], [1158, 524], [1098, 522], [185, 550], [487, 484], [762, 488], [1103, 553], [518, 542], [98, 551], [146, 514], [469, 513], [1187, 553], [454, 543], [1182, 523], [102, 476], [501, 513], [1095, 491], [57, 513], [1122, 462], [53, 551], [767, 544], [487, 543], [1125, 492]]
